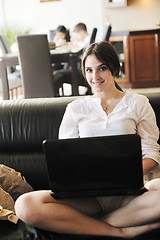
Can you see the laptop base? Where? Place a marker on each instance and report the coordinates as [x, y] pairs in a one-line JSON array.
[[103, 193]]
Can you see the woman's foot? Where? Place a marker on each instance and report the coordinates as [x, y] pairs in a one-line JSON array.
[[134, 231]]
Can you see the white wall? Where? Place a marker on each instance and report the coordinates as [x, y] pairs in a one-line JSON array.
[[139, 14], [40, 17]]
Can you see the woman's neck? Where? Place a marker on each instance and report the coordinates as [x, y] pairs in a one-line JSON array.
[[107, 95]]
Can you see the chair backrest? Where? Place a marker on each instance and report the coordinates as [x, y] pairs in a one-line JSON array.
[[107, 32], [51, 35], [93, 35], [9, 81], [5, 49], [72, 60], [35, 62], [4, 45], [4, 83]]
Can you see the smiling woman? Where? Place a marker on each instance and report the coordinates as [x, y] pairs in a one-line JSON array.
[[109, 111]]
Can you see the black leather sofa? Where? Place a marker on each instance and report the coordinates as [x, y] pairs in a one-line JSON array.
[[24, 124]]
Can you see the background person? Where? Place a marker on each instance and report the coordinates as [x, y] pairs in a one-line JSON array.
[[80, 36], [61, 36]]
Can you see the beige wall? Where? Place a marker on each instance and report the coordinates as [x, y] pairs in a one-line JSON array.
[[40, 17], [139, 14]]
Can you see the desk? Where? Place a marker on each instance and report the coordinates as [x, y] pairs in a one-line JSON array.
[[140, 52]]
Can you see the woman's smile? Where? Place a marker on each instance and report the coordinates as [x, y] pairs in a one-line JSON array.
[[98, 83]]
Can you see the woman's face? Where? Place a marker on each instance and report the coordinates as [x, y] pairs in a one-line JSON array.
[[97, 74]]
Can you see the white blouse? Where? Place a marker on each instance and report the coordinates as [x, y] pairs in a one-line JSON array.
[[85, 117]]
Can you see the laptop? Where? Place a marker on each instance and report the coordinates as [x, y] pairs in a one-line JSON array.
[[94, 166]]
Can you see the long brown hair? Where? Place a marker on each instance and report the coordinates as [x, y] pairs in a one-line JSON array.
[[107, 55]]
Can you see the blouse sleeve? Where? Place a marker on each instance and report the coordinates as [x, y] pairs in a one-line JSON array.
[[148, 130], [68, 127]]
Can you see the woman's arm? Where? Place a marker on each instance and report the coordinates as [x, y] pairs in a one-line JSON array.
[[148, 165], [148, 130], [68, 127]]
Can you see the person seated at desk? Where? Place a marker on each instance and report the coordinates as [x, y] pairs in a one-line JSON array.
[[61, 36], [80, 37]]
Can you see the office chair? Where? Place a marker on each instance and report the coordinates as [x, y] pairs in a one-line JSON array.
[[51, 35], [13, 76], [93, 35], [36, 70], [38, 79], [107, 32]]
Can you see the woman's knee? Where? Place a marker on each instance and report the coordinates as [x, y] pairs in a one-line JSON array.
[[154, 184], [28, 205], [156, 199], [151, 200], [24, 206]]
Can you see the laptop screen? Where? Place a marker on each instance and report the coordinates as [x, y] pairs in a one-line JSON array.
[[94, 164]]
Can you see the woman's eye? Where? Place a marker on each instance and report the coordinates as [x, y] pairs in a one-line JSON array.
[[102, 68], [88, 70]]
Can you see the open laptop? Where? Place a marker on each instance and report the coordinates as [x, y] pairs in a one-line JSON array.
[[94, 166]]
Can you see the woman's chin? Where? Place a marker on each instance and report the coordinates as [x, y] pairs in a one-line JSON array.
[[97, 89]]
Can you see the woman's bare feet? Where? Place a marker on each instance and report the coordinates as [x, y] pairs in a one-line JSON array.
[[135, 231]]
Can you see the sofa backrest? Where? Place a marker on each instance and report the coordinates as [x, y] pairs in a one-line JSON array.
[[24, 124]]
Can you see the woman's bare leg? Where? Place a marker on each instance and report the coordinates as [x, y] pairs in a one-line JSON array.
[[41, 210], [143, 209], [78, 216]]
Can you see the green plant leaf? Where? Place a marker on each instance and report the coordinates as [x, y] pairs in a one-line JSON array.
[[10, 34]]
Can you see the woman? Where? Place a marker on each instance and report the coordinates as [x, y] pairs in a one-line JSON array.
[[61, 37], [109, 111]]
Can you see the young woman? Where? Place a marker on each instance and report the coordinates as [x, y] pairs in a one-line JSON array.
[[61, 37], [108, 111]]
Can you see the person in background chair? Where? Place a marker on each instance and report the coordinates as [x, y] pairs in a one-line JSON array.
[[110, 110], [80, 36], [61, 36]]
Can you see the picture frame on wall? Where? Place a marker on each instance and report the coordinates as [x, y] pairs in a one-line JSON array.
[[48, 0], [115, 3]]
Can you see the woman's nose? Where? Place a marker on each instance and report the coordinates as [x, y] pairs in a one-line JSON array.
[[95, 75]]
